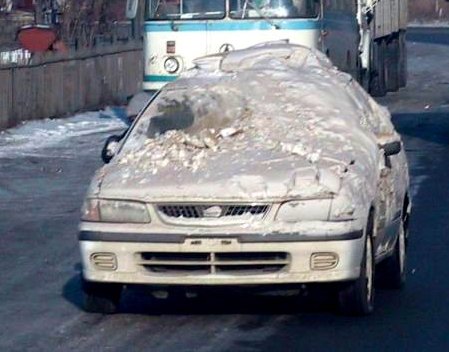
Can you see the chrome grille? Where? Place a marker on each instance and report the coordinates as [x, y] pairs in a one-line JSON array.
[[192, 211], [207, 263]]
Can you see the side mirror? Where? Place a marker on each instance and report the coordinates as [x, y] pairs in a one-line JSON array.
[[110, 148], [392, 148]]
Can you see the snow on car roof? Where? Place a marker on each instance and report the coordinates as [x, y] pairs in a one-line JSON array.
[[257, 113]]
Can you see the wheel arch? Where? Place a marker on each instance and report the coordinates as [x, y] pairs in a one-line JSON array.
[[406, 209], [371, 221]]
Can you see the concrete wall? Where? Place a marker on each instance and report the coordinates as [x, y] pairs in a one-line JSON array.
[[58, 85]]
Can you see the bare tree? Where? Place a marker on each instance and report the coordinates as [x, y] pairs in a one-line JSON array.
[[85, 20]]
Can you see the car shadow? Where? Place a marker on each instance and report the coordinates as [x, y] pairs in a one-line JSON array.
[[139, 300], [429, 126]]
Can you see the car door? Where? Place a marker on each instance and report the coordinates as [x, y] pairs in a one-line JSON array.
[[389, 208], [397, 182]]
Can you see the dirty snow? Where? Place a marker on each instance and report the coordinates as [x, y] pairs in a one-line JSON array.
[[31, 138], [268, 123]]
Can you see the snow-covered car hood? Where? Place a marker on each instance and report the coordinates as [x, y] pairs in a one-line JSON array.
[[246, 175], [272, 122]]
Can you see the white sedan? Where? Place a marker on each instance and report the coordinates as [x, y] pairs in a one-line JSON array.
[[260, 166]]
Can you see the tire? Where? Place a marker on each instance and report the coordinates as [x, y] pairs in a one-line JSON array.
[[392, 65], [402, 60], [357, 297], [377, 79], [100, 297], [393, 270]]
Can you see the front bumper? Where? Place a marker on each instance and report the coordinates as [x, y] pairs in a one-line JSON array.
[[128, 250]]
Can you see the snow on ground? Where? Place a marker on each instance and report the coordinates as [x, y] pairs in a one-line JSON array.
[[32, 137]]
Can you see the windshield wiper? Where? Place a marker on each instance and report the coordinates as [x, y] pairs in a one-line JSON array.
[[259, 12]]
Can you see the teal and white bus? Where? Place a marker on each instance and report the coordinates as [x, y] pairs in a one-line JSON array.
[[178, 31]]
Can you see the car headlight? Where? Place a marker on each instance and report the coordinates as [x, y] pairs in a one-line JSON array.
[[344, 208], [304, 210], [171, 65], [115, 211]]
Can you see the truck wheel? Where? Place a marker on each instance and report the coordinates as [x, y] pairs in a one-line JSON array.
[[101, 297], [393, 270], [377, 80], [402, 60], [392, 65], [357, 297]]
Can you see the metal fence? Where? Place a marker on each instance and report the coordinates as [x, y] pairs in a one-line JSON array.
[[55, 84]]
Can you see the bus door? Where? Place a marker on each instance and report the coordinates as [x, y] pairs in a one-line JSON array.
[[341, 34]]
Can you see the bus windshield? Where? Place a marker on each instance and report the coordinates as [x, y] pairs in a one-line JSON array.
[[241, 9], [185, 9]]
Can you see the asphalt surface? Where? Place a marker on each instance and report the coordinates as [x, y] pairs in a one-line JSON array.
[[429, 35], [40, 299]]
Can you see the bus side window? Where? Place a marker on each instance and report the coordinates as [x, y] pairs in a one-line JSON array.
[[166, 8], [200, 6], [307, 8]]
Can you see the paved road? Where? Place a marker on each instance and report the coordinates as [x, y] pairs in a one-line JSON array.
[[39, 261], [429, 35]]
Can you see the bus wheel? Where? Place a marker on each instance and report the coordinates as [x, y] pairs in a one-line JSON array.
[[392, 65], [402, 60], [377, 74]]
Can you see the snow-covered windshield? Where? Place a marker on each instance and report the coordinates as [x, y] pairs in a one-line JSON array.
[[242, 9], [185, 9], [194, 112]]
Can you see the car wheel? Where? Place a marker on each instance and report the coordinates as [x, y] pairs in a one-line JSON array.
[[393, 270], [357, 297], [101, 297]]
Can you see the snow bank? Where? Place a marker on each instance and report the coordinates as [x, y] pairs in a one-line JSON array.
[[34, 136]]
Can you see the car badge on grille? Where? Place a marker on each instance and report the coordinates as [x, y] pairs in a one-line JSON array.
[[213, 212]]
